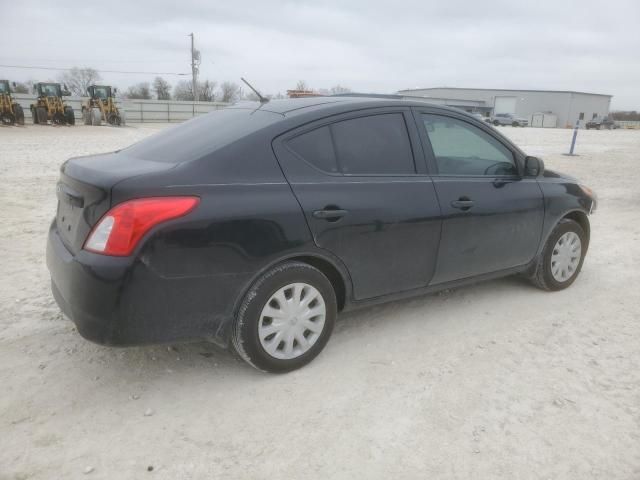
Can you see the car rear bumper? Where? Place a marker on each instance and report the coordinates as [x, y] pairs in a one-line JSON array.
[[122, 301]]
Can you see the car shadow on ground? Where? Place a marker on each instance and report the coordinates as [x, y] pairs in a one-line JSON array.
[[208, 358]]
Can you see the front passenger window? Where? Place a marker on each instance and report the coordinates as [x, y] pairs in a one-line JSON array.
[[460, 148]]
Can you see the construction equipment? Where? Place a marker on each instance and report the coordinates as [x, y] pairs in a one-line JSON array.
[[101, 106], [49, 105], [10, 112]]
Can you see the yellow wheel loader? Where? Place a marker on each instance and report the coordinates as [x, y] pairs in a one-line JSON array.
[[49, 105], [101, 106], [11, 112]]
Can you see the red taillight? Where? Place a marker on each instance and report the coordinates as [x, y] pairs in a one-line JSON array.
[[121, 228]]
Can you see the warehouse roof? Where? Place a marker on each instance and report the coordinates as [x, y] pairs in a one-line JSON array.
[[504, 90]]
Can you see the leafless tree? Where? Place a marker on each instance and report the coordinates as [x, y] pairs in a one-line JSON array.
[[206, 91], [338, 89], [229, 92], [140, 91], [162, 88], [628, 115], [252, 97], [21, 87], [302, 85], [183, 91], [78, 79]]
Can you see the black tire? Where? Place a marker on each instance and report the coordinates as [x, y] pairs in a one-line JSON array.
[[69, 116], [96, 116], [19, 112], [42, 114], [7, 118], [496, 123], [58, 119], [542, 276], [515, 124], [114, 119], [244, 335]]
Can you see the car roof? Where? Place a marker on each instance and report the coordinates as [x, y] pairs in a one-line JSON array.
[[296, 106]]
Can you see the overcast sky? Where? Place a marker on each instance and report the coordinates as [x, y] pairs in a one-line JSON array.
[[368, 46]]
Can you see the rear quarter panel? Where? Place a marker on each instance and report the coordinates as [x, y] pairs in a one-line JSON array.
[[248, 219]]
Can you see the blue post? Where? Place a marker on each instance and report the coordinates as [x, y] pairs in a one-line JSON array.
[[575, 135]]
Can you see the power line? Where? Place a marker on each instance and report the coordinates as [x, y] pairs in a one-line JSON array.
[[31, 67]]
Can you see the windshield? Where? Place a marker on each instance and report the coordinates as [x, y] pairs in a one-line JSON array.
[[202, 135], [102, 92], [4, 87], [50, 89]]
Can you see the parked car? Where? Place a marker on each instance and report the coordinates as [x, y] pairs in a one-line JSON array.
[[601, 122], [509, 119], [253, 226]]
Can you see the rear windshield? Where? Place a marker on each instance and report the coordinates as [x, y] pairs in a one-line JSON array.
[[200, 136]]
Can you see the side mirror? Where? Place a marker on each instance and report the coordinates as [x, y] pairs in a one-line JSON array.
[[14, 84], [533, 166]]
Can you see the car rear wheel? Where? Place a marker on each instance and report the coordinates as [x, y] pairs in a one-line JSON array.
[[286, 318], [496, 123], [562, 257]]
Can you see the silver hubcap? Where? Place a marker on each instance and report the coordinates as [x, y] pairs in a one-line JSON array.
[[292, 321], [566, 256]]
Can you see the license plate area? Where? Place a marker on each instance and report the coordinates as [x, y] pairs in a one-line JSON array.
[[67, 219]]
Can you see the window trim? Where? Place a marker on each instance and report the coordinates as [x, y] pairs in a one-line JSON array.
[[430, 156], [415, 143]]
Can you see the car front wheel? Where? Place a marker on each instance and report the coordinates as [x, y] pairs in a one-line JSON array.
[[562, 257], [286, 318]]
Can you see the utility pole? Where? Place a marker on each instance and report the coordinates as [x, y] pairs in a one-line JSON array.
[[195, 62]]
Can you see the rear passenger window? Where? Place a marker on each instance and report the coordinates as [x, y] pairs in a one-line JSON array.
[[378, 144], [316, 148]]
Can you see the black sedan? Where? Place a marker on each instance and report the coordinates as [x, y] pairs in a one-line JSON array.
[[253, 226]]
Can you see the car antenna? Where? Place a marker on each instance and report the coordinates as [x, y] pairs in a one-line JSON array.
[[262, 99]]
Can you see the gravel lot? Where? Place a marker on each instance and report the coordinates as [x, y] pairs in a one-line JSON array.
[[497, 380]]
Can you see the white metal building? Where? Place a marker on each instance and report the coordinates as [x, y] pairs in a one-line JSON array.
[[567, 106]]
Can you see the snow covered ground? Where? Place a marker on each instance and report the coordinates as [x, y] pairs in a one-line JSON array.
[[497, 380]]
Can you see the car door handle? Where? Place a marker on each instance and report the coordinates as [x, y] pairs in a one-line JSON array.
[[462, 204], [331, 215]]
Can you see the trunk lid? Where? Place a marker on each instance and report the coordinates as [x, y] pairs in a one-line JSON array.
[[84, 191]]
